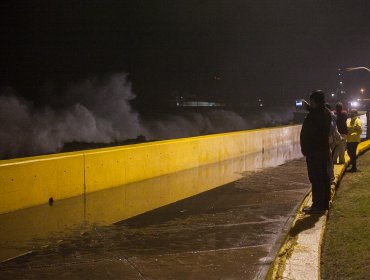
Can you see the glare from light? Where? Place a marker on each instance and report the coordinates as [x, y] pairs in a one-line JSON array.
[[354, 104]]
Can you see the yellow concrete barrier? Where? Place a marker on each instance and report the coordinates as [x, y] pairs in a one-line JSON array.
[[32, 181], [112, 167], [33, 225]]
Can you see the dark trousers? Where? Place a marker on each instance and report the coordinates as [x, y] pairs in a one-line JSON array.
[[318, 173], [351, 150]]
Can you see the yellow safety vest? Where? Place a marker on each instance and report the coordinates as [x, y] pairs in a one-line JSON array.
[[354, 127]]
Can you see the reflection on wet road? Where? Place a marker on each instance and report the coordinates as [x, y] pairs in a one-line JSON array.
[[227, 232]]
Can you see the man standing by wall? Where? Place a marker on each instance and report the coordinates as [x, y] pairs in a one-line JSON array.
[[354, 127], [340, 148], [315, 147]]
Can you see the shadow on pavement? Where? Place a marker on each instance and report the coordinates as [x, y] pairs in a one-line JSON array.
[[303, 224]]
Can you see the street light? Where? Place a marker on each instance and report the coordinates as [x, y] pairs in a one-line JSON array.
[[362, 91], [357, 68]]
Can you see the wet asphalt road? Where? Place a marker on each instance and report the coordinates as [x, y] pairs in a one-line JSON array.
[[231, 232]]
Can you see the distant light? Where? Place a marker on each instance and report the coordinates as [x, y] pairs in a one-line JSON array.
[[201, 104], [341, 83], [332, 94], [261, 105], [354, 104]]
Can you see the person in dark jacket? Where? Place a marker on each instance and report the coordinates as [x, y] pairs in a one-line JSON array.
[[315, 147], [340, 147]]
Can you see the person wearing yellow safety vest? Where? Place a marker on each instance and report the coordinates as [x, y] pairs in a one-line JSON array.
[[354, 127]]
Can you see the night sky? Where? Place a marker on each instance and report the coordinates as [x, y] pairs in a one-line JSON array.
[[233, 50]]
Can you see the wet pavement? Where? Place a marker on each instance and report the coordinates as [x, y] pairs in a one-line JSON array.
[[230, 232]]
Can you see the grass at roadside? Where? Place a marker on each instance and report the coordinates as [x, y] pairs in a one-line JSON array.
[[346, 250]]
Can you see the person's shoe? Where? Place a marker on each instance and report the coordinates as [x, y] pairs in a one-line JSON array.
[[353, 170], [313, 210]]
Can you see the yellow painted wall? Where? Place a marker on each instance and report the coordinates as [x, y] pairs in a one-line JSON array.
[[31, 181], [111, 167], [32, 227]]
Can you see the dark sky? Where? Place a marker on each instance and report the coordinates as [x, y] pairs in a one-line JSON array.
[[269, 49]]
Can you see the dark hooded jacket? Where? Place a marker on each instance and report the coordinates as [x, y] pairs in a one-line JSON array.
[[315, 131]]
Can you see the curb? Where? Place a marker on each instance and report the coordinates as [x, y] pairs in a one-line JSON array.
[[299, 256]]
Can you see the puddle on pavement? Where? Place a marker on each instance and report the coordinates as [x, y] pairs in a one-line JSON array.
[[37, 227]]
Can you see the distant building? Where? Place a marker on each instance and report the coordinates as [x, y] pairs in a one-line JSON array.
[[191, 101]]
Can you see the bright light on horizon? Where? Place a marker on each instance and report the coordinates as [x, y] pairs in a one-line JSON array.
[[354, 103]]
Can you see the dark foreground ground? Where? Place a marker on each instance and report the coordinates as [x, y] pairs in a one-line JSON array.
[[231, 232]]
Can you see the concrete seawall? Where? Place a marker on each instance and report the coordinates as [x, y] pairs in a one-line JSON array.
[[32, 181]]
